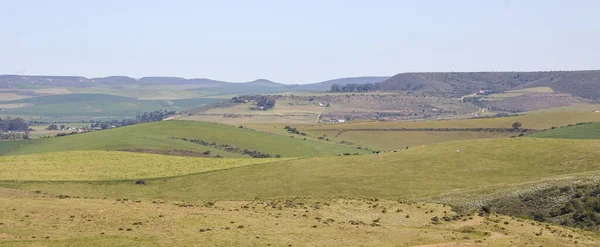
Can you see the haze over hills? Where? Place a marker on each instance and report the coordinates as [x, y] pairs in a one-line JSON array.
[[585, 84]]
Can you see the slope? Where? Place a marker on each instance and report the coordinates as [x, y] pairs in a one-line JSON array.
[[414, 174], [108, 165], [160, 136], [580, 131]]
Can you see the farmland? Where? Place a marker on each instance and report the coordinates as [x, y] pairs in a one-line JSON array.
[[160, 136], [76, 197], [583, 131], [94, 106], [411, 174]]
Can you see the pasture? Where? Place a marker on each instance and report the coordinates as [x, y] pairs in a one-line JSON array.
[[159, 136], [43, 220], [412, 174], [109, 165], [583, 131]]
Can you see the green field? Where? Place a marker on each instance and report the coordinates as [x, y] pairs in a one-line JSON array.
[[109, 165], [158, 136], [411, 174], [583, 131], [95, 105]]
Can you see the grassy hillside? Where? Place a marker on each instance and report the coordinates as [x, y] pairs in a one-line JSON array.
[[36, 220], [158, 136], [108, 165], [583, 131], [411, 174]]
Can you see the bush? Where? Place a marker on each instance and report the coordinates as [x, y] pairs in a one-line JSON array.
[[140, 182]]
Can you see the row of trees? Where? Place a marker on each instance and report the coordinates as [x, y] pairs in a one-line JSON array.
[[13, 124], [349, 88], [140, 118]]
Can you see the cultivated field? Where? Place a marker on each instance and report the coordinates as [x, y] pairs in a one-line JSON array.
[[159, 137], [533, 121], [583, 131]]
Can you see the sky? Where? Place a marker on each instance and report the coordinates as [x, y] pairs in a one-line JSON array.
[[295, 41]]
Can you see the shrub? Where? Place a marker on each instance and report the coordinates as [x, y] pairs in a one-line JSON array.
[[140, 182], [517, 125]]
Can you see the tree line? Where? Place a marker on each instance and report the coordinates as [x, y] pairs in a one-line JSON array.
[[13, 124], [263, 102], [355, 88], [145, 117]]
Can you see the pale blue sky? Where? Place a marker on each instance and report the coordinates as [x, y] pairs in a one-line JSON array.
[[295, 41]]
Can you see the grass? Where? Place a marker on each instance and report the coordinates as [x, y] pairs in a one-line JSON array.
[[44, 221], [411, 174], [108, 165], [533, 121], [157, 136], [394, 140], [583, 131]]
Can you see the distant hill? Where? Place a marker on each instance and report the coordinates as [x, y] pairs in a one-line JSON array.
[[326, 85], [585, 84]]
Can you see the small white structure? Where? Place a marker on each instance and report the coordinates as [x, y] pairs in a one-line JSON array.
[[341, 120], [321, 104]]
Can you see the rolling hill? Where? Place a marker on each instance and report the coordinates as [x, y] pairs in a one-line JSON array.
[[413, 174], [166, 136], [326, 85], [585, 84]]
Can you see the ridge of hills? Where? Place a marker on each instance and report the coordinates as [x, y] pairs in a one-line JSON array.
[[585, 84], [27, 81]]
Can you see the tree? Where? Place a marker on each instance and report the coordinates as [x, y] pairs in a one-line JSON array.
[[516, 125], [52, 127]]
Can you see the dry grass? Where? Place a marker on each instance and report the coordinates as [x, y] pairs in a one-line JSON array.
[[45, 221]]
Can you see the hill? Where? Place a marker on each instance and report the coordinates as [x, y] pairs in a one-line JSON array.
[[37, 219], [585, 84], [413, 174], [326, 85], [580, 131], [166, 136], [109, 165]]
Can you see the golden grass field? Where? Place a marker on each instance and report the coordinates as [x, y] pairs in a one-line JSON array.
[[42, 220], [109, 165]]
